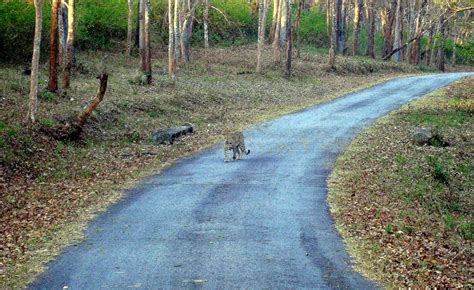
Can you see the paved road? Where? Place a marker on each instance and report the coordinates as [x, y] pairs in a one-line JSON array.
[[256, 223]]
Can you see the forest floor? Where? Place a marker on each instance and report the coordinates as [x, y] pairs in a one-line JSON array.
[[406, 210], [50, 189]]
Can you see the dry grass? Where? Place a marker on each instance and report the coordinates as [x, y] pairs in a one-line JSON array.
[[50, 189], [405, 210]]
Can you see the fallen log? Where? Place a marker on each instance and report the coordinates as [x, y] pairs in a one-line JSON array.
[[71, 130]]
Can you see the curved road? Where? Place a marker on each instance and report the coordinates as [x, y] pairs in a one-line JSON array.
[[261, 222]]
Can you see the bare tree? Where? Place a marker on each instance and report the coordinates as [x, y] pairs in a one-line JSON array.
[[276, 5], [206, 24], [262, 16], [146, 37], [358, 5], [129, 27], [333, 39], [53, 48], [171, 42], [397, 41], [369, 11], [35, 62], [69, 46]]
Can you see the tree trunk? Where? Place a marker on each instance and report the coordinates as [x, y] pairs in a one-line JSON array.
[[137, 26], [345, 23], [129, 27], [70, 45], [35, 62], [171, 44], [146, 36], [387, 18], [369, 8], [206, 24], [297, 28], [142, 39], [411, 21], [262, 16], [397, 41], [289, 40], [333, 39], [177, 30], [276, 39], [429, 44], [283, 23], [328, 19], [53, 48], [340, 27], [276, 5], [187, 31], [441, 59], [61, 35], [358, 4], [414, 51]]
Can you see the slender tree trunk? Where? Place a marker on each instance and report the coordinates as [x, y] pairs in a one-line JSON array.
[[137, 26], [298, 26], [35, 62], [129, 27], [289, 40], [387, 18], [70, 45], [276, 5], [53, 48], [345, 23], [429, 45], [397, 41], [340, 27], [171, 44], [206, 24], [146, 36], [411, 29], [262, 16], [142, 36], [369, 8], [328, 19], [283, 23], [187, 31], [441, 59], [358, 5], [333, 39], [61, 38], [176, 28], [276, 39], [414, 51]]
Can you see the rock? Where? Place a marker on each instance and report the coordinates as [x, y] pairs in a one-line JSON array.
[[422, 135], [168, 135]]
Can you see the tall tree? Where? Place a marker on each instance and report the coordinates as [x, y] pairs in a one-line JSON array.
[[69, 45], [414, 50], [35, 61], [397, 43], [146, 37], [206, 24], [298, 26], [340, 26], [129, 27], [358, 5], [387, 17], [289, 39], [262, 16], [190, 9], [53, 48], [328, 19], [62, 33], [141, 33], [171, 42], [441, 53], [333, 39], [276, 38], [276, 6], [369, 12]]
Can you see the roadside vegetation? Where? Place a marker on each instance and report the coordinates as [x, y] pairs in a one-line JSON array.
[[406, 210]]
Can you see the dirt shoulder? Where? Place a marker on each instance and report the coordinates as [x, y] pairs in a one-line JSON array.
[[405, 211], [50, 189]]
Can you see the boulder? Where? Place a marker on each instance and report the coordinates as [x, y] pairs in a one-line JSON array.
[[422, 135], [168, 135]]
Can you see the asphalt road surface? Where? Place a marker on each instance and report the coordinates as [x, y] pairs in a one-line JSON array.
[[261, 222]]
